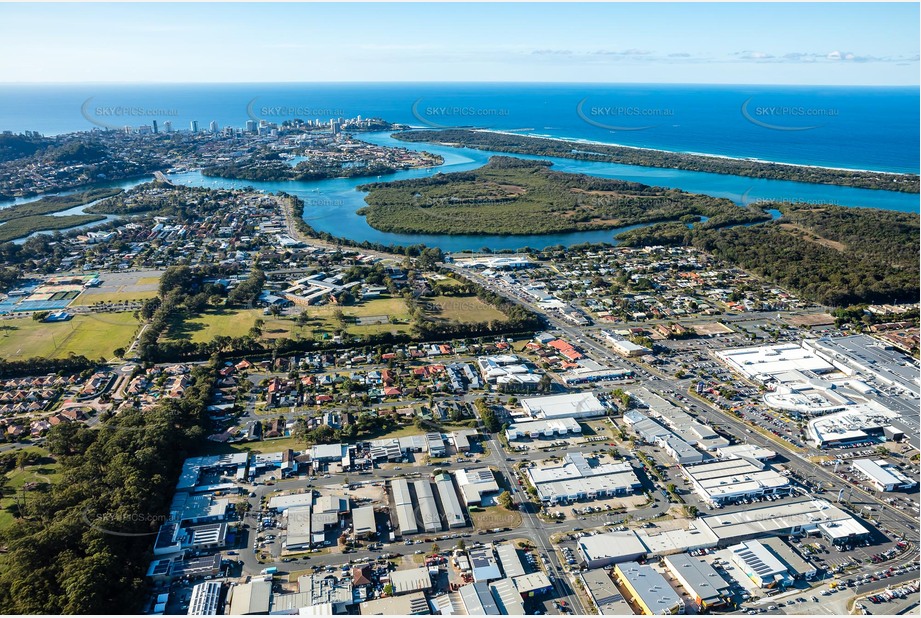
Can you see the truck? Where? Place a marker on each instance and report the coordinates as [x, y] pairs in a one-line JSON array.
[[269, 571]]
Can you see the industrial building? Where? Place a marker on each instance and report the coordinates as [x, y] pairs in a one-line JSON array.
[[252, 598], [705, 585], [604, 594], [728, 480], [205, 599], [543, 429], [281, 503], [299, 532], [532, 584], [647, 589], [750, 451], [603, 550], [478, 600], [760, 565], [414, 604], [319, 589], [476, 485], [797, 567], [363, 523], [792, 516], [435, 445], [428, 508], [573, 405], [510, 561], [652, 432], [507, 596], [882, 475], [410, 580], [484, 565], [450, 506], [576, 479], [403, 503]]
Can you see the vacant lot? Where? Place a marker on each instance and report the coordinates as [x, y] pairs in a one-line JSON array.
[[495, 517], [122, 286], [465, 309], [233, 323], [93, 336]]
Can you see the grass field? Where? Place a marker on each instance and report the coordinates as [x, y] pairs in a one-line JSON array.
[[93, 336], [238, 322], [233, 323], [465, 309], [46, 471], [113, 297]]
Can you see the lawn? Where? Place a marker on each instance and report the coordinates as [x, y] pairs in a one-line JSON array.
[[233, 323], [46, 471], [113, 297], [94, 336], [464, 309], [272, 445]]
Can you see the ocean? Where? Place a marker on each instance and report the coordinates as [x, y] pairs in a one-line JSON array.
[[849, 127]]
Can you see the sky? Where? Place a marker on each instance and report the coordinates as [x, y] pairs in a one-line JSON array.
[[813, 44]]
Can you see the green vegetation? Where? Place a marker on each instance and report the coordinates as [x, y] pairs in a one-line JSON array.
[[523, 144], [488, 416], [94, 335], [830, 254], [83, 546], [55, 203], [23, 226], [516, 196]]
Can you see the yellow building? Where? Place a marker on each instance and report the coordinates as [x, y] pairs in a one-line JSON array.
[[645, 588]]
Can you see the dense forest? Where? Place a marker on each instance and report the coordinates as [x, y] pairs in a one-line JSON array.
[[82, 547], [833, 255], [523, 144], [517, 196], [261, 169]]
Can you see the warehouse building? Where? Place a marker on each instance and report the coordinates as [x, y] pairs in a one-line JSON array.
[[413, 604], [576, 479], [603, 550], [410, 580], [484, 565], [543, 429], [797, 567], [760, 565], [858, 423], [532, 584], [647, 589], [476, 485], [363, 523], [428, 508], [252, 598], [403, 502], [727, 480], [749, 451], [652, 432], [508, 597], [435, 445], [573, 405], [478, 600], [882, 474], [705, 585], [450, 505], [205, 599], [794, 516], [510, 561], [604, 594]]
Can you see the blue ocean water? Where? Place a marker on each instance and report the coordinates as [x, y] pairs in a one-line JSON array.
[[851, 127]]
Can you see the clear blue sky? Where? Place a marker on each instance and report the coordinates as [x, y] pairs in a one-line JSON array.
[[872, 43]]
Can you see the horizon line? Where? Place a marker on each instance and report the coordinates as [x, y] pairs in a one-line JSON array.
[[416, 83]]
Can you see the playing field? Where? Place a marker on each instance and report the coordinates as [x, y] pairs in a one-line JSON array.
[[93, 336]]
